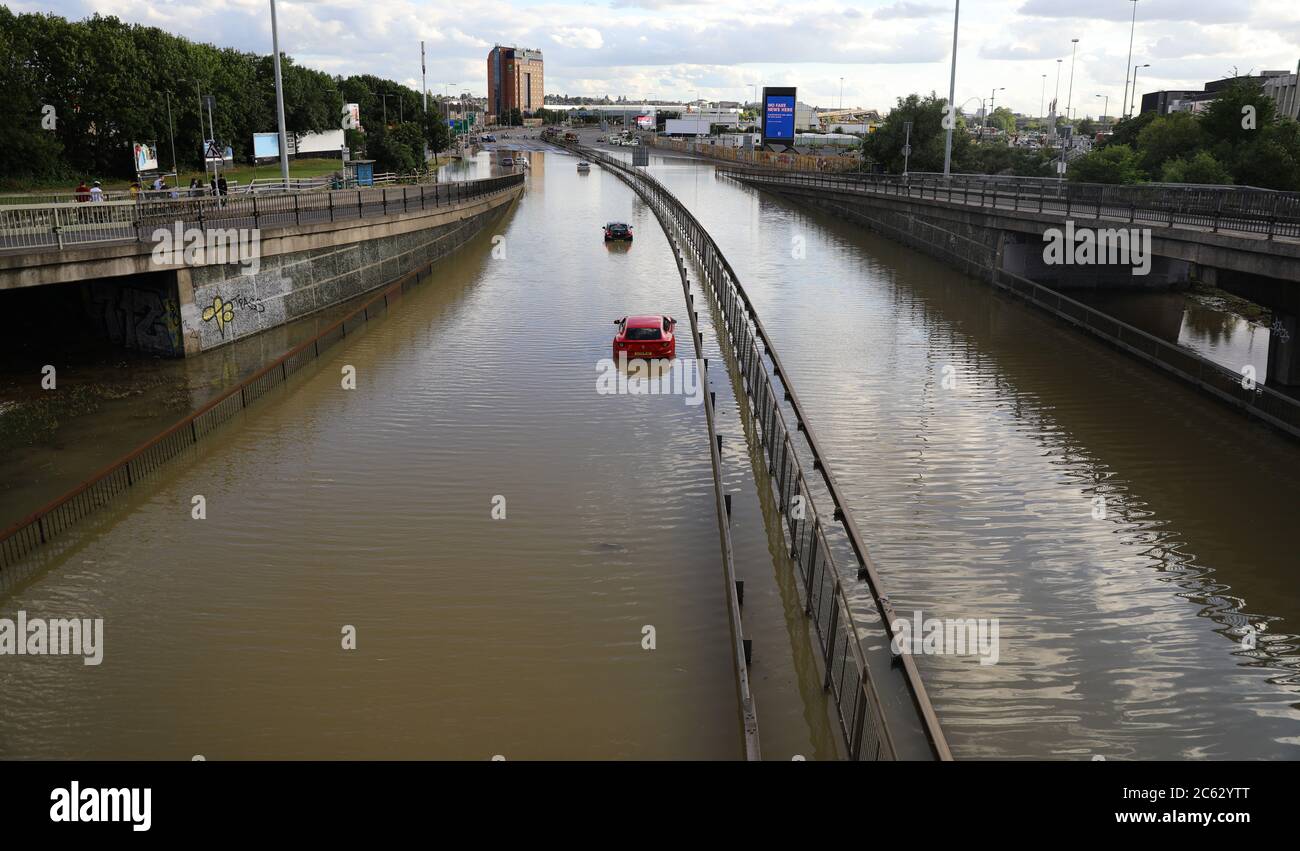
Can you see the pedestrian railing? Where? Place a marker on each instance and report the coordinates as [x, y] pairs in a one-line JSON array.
[[1227, 209], [869, 730], [48, 523], [58, 226], [981, 261]]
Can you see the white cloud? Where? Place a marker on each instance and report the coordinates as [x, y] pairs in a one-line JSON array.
[[584, 38], [672, 48]]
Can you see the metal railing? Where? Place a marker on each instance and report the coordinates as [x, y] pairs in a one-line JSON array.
[[58, 226], [47, 523], [853, 685], [1215, 209], [981, 261]]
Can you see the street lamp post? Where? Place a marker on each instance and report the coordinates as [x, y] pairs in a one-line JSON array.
[[1133, 107], [841, 94], [1132, 27], [1105, 107], [279, 102], [1069, 96], [171, 131], [952, 94], [1042, 100], [1056, 96], [988, 113]]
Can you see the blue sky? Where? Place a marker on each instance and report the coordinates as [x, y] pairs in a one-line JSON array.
[[718, 49]]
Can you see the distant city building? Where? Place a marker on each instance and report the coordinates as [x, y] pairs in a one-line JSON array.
[[1278, 85], [805, 117], [514, 81]]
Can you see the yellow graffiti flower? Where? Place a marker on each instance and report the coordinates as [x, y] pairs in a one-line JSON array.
[[222, 312]]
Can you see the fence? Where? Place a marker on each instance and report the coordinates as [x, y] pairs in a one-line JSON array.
[[47, 523], [981, 261], [1252, 211], [859, 711], [57, 226]]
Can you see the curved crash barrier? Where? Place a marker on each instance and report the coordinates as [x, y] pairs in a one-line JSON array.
[[900, 726]]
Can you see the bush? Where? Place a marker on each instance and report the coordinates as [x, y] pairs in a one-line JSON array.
[[1200, 168], [1111, 164]]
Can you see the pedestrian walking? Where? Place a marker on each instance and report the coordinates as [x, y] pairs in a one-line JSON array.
[[96, 193]]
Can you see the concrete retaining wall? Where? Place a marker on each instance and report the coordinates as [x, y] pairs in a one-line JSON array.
[[222, 303]]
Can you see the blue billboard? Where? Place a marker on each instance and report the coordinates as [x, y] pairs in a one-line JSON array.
[[778, 115]]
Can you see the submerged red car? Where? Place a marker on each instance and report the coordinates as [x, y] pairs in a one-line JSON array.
[[645, 337], [618, 230]]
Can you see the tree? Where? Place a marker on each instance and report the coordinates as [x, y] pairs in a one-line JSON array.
[[1200, 168], [1003, 119], [1127, 129], [1110, 164], [1177, 135], [436, 133], [516, 117], [885, 146]]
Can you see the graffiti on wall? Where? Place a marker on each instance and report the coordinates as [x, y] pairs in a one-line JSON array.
[[222, 312], [136, 316]]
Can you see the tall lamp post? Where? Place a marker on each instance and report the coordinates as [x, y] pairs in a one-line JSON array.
[[988, 113], [1133, 107], [279, 101], [1105, 106], [952, 93], [1069, 95], [1056, 96], [1132, 27], [1042, 100], [171, 131]]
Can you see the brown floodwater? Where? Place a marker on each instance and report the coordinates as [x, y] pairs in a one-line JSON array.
[[371, 509], [1121, 630]]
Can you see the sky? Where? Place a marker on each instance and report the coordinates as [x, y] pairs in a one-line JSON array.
[[683, 49]]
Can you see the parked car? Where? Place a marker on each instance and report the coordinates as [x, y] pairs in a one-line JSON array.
[[618, 230], [507, 162], [645, 337]]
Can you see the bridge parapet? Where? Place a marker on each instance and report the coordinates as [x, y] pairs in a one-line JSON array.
[[30, 228]]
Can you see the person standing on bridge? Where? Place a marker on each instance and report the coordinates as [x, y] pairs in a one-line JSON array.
[[82, 191], [96, 193]]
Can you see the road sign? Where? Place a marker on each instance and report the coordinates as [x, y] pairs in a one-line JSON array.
[[213, 152]]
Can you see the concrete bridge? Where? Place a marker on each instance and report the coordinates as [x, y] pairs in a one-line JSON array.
[[1247, 242], [179, 277]]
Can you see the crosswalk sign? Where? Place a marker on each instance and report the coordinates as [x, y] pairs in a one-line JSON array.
[[214, 153]]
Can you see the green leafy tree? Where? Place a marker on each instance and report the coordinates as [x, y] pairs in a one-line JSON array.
[[885, 146], [1127, 129], [1202, 167], [1003, 119], [436, 132], [1111, 164], [1177, 135]]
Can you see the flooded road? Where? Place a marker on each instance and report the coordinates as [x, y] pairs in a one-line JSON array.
[[332, 512], [1122, 530]]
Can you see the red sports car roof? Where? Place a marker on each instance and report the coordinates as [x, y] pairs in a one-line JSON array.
[[644, 321]]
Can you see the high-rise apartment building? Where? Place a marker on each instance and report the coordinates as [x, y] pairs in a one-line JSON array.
[[514, 81]]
